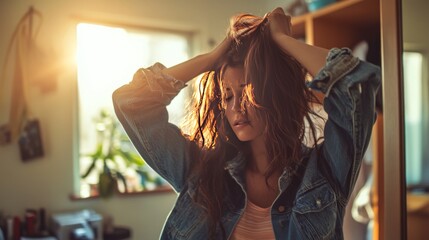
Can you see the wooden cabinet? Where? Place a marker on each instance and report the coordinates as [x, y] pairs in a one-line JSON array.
[[345, 24], [342, 24]]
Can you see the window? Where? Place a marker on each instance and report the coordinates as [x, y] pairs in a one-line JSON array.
[[107, 58], [413, 79]]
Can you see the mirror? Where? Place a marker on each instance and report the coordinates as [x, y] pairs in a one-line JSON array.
[[58, 32], [416, 111]]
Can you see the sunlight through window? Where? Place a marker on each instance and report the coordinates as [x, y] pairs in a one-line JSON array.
[[107, 58], [413, 63]]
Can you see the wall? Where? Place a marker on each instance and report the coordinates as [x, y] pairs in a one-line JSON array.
[[48, 182]]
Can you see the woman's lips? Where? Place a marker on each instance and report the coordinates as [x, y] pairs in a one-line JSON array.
[[241, 123]]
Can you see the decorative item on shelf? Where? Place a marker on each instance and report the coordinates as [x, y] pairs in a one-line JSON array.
[[314, 5], [31, 226], [117, 160], [296, 8]]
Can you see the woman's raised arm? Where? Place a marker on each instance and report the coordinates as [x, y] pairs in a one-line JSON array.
[[187, 70], [350, 87], [311, 57]]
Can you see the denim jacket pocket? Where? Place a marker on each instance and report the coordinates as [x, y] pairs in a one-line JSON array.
[[186, 220], [315, 212]]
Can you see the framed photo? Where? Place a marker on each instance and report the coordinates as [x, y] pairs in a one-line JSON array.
[[30, 141]]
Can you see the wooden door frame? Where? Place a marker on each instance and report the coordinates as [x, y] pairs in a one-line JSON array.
[[392, 170]]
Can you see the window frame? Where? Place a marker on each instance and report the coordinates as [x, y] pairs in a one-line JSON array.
[[190, 37]]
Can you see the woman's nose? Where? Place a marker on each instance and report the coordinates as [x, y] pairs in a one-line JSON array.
[[236, 105]]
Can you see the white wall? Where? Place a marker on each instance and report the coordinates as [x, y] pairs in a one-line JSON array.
[[48, 182]]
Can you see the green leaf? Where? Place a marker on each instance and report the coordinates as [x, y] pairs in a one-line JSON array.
[[95, 156], [104, 113], [106, 168], [123, 155], [130, 158], [137, 159], [111, 157], [90, 168], [122, 178], [98, 152]]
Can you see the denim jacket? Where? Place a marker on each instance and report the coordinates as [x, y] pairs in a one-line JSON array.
[[309, 207]]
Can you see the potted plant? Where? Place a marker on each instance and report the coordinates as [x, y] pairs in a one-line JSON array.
[[111, 150]]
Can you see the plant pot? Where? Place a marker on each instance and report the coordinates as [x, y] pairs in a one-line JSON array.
[[106, 184]]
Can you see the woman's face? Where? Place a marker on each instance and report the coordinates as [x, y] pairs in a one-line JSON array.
[[245, 124]]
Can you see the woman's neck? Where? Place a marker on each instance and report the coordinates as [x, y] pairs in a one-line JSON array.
[[259, 161]]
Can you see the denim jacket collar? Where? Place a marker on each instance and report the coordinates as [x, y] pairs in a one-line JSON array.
[[236, 168]]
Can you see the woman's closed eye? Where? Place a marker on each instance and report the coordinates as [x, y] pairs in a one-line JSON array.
[[228, 98]]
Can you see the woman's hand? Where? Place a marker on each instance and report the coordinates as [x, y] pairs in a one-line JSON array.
[[218, 54], [280, 24], [311, 58]]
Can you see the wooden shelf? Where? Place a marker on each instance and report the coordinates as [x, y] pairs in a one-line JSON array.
[[343, 23]]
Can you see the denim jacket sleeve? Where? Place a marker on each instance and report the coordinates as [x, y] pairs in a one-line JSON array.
[[141, 108], [350, 88]]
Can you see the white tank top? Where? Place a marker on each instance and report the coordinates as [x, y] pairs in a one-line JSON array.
[[255, 223]]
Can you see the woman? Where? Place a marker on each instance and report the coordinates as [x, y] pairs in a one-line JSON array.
[[244, 173]]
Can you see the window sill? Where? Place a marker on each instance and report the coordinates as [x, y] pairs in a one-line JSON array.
[[163, 189]]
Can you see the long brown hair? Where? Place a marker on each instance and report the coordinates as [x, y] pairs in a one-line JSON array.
[[275, 89]]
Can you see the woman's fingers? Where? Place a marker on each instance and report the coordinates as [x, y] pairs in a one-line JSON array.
[[279, 10], [218, 54], [280, 23]]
